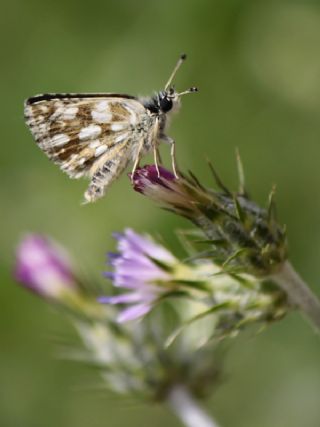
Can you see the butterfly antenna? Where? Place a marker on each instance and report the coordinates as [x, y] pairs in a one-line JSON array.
[[176, 68], [191, 90]]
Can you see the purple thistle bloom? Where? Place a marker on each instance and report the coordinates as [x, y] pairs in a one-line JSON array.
[[239, 233], [136, 267], [173, 193], [147, 175], [44, 267]]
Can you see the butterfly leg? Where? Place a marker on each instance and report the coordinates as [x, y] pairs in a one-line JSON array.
[[156, 154], [168, 140], [173, 158], [156, 158], [137, 159]]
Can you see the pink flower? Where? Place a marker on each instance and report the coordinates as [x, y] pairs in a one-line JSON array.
[[43, 267]]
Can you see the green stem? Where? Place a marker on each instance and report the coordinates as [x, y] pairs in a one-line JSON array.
[[299, 293]]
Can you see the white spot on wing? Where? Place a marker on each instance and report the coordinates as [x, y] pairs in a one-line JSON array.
[[101, 112], [59, 139], [58, 112], [70, 113], [133, 115], [101, 116], [100, 150], [121, 137], [94, 144], [102, 106], [118, 126], [42, 127], [90, 132]]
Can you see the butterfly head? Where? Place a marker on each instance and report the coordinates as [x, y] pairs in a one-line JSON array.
[[169, 99]]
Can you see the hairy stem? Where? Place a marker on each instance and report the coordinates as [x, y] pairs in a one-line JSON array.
[[299, 293], [187, 409]]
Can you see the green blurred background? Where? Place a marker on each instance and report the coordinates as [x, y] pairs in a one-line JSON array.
[[257, 64]]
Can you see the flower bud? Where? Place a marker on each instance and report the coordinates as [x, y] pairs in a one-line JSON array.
[[237, 233], [43, 267]]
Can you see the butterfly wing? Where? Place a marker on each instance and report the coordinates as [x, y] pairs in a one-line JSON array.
[[84, 133]]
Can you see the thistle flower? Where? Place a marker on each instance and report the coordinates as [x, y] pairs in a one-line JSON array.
[[238, 234], [142, 266], [153, 274], [44, 267], [134, 358], [131, 358]]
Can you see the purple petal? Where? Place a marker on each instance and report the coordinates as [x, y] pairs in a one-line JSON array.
[[135, 269], [111, 257], [144, 245], [131, 259], [134, 312], [136, 282], [129, 272], [120, 299], [133, 266], [148, 175]]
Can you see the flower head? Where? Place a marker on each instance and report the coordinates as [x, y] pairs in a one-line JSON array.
[[141, 266], [151, 274], [121, 351], [147, 175], [163, 187], [137, 358], [44, 267], [239, 234]]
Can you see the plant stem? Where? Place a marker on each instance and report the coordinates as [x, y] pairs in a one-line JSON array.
[[299, 293], [187, 409]]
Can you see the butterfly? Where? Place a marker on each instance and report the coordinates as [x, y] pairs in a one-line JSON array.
[[98, 134]]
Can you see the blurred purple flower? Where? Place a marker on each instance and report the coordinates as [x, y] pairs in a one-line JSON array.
[[141, 266], [43, 267]]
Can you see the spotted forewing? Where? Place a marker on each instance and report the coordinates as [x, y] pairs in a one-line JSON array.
[[93, 135]]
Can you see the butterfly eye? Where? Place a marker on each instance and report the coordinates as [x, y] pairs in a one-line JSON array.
[[165, 104]]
